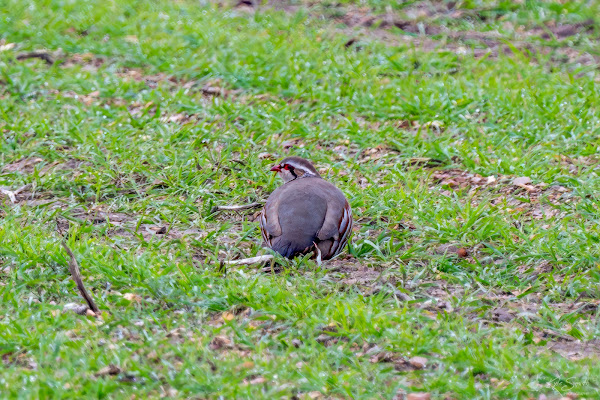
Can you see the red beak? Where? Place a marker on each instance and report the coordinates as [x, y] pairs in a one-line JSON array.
[[276, 168]]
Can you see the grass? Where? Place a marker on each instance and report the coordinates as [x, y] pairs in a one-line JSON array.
[[157, 111]]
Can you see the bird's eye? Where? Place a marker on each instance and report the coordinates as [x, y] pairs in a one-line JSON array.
[[288, 167]]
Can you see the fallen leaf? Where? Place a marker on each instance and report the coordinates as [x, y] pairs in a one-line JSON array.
[[499, 383], [502, 315], [10, 194], [258, 381], [227, 316], [446, 248], [438, 125], [132, 297], [76, 308], [7, 46], [110, 370], [219, 342], [245, 365], [24, 165], [418, 362], [418, 396], [523, 180]]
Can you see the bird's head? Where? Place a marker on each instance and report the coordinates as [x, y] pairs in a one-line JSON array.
[[291, 168]]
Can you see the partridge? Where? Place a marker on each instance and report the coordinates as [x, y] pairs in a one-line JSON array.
[[306, 213]]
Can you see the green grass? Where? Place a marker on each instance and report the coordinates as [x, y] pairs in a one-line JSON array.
[[122, 137]]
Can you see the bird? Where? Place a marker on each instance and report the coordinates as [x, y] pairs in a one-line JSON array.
[[305, 214]]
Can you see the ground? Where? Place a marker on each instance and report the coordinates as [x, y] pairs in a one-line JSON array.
[[464, 134]]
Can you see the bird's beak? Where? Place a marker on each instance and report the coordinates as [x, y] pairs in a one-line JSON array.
[[276, 168]]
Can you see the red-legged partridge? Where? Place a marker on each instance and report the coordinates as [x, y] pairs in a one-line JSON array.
[[306, 213]]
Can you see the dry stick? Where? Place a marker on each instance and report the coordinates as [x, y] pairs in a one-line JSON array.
[[251, 260], [235, 208], [74, 269], [12, 195], [37, 54], [19, 190]]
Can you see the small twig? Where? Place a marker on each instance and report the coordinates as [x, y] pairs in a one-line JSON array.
[[235, 208], [12, 195], [251, 260], [318, 259], [273, 269], [19, 190], [76, 275], [557, 335], [43, 55]]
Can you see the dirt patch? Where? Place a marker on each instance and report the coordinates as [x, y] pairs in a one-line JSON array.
[[456, 178], [211, 88], [575, 165], [127, 225], [89, 62], [88, 99], [377, 354], [151, 80], [29, 194], [561, 31], [33, 198], [361, 17], [373, 278], [20, 359], [422, 20], [24, 165], [575, 350], [353, 272], [138, 110], [376, 153], [514, 194], [28, 165], [440, 290], [422, 26]]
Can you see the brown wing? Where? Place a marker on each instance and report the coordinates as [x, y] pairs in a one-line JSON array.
[[269, 220], [333, 245], [263, 228], [345, 229]]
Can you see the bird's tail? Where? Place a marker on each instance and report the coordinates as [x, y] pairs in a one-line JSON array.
[[288, 249]]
